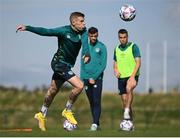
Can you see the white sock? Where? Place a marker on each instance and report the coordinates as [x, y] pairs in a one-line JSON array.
[[44, 110], [126, 113], [68, 106], [126, 110]]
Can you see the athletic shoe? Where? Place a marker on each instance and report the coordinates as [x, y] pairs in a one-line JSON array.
[[69, 116], [94, 127], [42, 121]]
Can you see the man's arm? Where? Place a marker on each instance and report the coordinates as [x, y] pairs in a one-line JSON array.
[[115, 68], [85, 47], [131, 81], [137, 67], [137, 58], [116, 72], [40, 30]]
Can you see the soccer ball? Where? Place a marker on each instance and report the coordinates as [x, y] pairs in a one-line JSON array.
[[69, 126], [126, 125], [127, 12]]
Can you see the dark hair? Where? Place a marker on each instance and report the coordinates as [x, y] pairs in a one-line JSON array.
[[92, 30], [123, 31], [75, 15]]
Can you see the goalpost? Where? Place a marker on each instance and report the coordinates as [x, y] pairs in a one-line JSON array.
[[164, 79]]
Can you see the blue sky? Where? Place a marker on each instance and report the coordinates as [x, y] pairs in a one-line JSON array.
[[25, 57]]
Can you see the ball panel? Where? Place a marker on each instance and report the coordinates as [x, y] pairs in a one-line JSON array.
[[69, 126]]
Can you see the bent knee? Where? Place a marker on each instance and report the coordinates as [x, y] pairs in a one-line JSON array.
[[129, 89], [81, 86]]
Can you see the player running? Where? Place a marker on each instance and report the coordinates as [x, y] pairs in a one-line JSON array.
[[70, 38]]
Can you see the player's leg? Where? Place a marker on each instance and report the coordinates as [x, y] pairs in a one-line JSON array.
[[89, 93], [93, 93], [129, 89], [123, 99], [78, 87], [97, 91], [122, 91], [52, 91], [88, 90]]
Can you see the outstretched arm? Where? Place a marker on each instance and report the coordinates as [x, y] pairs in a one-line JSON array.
[[40, 30]]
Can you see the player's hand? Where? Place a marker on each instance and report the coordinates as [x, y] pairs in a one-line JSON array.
[[116, 73], [91, 81], [20, 28], [132, 82], [86, 59]]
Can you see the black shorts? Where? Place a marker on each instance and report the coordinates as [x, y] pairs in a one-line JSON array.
[[62, 71], [122, 84]]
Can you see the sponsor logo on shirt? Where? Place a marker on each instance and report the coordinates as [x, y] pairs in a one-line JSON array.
[[97, 50], [68, 36]]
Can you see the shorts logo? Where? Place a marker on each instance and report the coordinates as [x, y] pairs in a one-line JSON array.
[[95, 86], [70, 73], [61, 73], [86, 87]]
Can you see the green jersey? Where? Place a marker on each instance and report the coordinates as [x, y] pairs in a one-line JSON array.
[[94, 69], [69, 42]]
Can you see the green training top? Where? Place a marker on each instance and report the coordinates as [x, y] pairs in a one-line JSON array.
[[94, 69], [69, 42]]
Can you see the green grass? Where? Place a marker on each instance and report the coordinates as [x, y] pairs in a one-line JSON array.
[[59, 132], [155, 115]]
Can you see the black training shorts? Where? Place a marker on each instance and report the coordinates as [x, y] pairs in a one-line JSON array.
[[122, 82]]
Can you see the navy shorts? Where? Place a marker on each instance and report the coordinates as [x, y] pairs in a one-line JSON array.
[[122, 82], [62, 71]]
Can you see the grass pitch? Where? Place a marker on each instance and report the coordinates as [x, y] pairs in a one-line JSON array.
[[155, 115], [59, 132]]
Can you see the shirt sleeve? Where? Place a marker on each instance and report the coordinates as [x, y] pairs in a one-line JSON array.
[[114, 55], [46, 32], [136, 51], [85, 45]]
